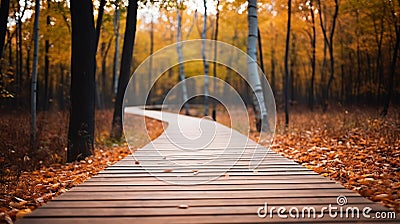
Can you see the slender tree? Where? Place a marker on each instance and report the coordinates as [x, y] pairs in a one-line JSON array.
[[34, 73], [329, 43], [396, 24], [83, 69], [287, 75], [214, 110], [254, 78], [181, 76], [313, 38], [151, 32], [205, 63], [117, 15], [124, 74], [4, 8], [99, 20], [46, 59]]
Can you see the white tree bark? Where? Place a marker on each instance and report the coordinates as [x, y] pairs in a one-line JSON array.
[[180, 60], [34, 73], [117, 15], [205, 63], [254, 78]]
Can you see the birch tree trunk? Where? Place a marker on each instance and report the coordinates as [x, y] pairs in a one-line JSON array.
[[117, 15], [313, 57], [205, 63], [214, 110], [254, 78], [180, 60]]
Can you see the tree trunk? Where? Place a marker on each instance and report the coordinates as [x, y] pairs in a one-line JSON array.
[[46, 60], [205, 63], [329, 43], [4, 8], [105, 96], [273, 65], [83, 69], [180, 60], [214, 109], [254, 78], [34, 74], [99, 21], [117, 14], [313, 57], [379, 40], [126, 61], [287, 75], [393, 63], [150, 59]]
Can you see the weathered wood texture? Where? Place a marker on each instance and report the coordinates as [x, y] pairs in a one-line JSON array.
[[127, 193]]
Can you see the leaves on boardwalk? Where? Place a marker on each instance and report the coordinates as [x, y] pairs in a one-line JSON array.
[[359, 149]]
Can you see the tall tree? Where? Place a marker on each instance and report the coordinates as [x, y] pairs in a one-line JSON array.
[[151, 32], [181, 76], [254, 78], [117, 15], [205, 62], [329, 43], [287, 75], [46, 58], [99, 20], [126, 61], [214, 110], [34, 73], [396, 24], [313, 40], [4, 8], [83, 69]]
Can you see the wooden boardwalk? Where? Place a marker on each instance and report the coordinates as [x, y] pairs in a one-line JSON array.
[[128, 192]]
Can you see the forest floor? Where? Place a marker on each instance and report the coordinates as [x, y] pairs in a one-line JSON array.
[[354, 146]]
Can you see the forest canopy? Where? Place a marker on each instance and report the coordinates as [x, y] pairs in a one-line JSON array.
[[363, 45]]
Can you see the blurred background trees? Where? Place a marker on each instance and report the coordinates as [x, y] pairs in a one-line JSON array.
[[341, 52]]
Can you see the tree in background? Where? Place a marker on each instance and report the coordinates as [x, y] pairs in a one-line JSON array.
[[34, 74], [287, 73], [329, 42], [124, 74], [214, 110], [4, 8], [179, 9], [205, 62], [396, 24], [116, 19], [83, 69], [258, 97]]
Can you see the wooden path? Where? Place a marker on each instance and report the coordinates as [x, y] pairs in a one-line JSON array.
[[128, 192]]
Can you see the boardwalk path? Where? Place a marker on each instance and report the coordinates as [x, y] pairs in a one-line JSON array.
[[127, 193]]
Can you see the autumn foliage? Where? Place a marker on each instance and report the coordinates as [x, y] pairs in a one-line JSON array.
[[355, 147], [31, 178]]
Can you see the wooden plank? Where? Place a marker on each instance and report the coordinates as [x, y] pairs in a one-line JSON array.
[[129, 193], [74, 195], [217, 219], [172, 211], [352, 200], [114, 188]]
